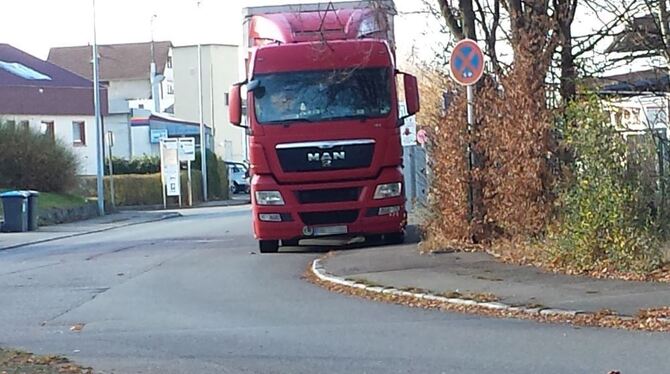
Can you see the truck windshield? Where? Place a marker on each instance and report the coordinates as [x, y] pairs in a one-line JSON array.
[[322, 95]]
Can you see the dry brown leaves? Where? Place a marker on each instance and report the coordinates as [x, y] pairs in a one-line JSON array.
[[514, 146], [22, 362], [519, 252], [644, 321]]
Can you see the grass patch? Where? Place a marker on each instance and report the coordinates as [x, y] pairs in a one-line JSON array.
[[49, 200]]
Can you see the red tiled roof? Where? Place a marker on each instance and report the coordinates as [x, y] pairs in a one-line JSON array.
[[117, 61]]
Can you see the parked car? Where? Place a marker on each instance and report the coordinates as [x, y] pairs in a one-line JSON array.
[[238, 177]]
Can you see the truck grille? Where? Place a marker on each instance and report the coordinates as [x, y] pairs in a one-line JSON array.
[[328, 218], [334, 195], [328, 155]]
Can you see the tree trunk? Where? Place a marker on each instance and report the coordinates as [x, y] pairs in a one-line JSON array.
[[468, 12], [568, 88]]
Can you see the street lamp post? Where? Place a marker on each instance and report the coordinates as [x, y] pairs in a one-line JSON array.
[[203, 137], [98, 124]]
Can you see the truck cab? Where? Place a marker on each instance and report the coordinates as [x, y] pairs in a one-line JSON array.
[[323, 124]]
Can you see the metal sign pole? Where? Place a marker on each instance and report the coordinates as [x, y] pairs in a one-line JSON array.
[[110, 143], [471, 123], [190, 186], [163, 184], [180, 194], [467, 67]]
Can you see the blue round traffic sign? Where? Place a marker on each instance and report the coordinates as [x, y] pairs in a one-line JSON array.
[[467, 62]]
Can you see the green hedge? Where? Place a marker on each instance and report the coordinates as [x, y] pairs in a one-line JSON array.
[[142, 189], [217, 172], [217, 175], [138, 165]]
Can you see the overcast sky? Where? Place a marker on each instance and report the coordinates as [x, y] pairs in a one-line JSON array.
[[37, 25]]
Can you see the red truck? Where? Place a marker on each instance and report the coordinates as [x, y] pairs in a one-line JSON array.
[[323, 121]]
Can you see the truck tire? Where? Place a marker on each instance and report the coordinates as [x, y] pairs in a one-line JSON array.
[[268, 246], [290, 243], [395, 238]]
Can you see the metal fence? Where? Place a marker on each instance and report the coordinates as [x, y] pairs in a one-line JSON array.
[[417, 177]]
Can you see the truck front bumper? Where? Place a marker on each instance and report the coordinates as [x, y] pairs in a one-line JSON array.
[[313, 210]]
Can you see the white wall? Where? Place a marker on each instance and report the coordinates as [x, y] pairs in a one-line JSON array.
[[219, 72], [640, 113], [119, 125], [141, 142], [167, 98], [129, 89], [86, 154]]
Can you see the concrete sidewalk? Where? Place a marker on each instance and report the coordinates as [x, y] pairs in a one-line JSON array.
[[471, 274], [68, 230]]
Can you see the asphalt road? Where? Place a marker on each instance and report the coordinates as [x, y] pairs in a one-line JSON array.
[[188, 296]]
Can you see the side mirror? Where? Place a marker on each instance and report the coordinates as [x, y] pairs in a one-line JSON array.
[[235, 105], [411, 94]]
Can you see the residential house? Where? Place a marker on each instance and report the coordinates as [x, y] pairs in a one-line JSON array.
[[639, 99], [47, 98], [140, 81], [219, 65]]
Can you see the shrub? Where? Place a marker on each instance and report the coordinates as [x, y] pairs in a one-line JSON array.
[[142, 189], [30, 160], [217, 175], [603, 221]]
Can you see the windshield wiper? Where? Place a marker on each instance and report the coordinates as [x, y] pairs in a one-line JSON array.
[[289, 120], [361, 117]]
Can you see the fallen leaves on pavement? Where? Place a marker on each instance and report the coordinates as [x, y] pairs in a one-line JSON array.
[[646, 320], [12, 361], [525, 254], [77, 327]]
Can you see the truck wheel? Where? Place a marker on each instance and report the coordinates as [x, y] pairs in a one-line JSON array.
[[268, 246], [290, 243], [395, 238]]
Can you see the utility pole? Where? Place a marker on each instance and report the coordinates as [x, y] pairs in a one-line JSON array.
[[203, 140], [98, 125], [155, 84]]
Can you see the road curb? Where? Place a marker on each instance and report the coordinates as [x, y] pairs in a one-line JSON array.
[[216, 204], [320, 272], [163, 217]]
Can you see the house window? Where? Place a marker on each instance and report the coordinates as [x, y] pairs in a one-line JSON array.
[[79, 133], [24, 125], [170, 89], [226, 98], [169, 62], [48, 130]]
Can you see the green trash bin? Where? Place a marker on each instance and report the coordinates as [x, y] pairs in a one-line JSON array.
[[33, 197], [15, 206]]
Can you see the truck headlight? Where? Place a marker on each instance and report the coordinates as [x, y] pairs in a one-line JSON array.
[[269, 198], [387, 190]]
